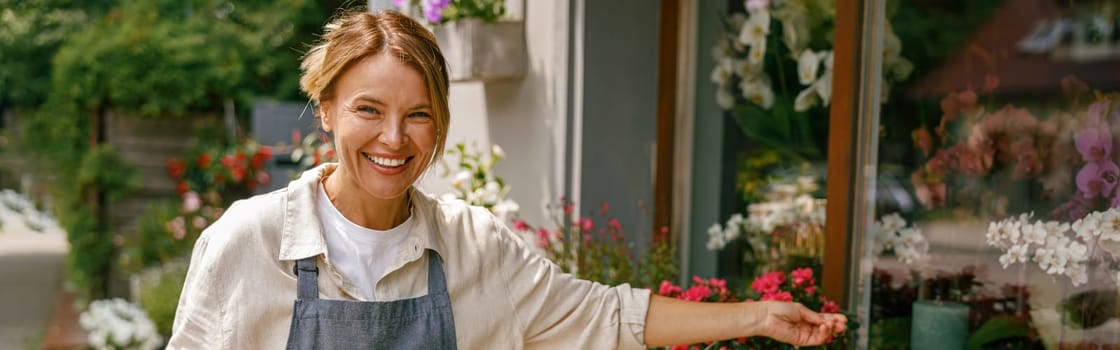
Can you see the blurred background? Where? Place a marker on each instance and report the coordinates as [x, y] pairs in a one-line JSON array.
[[630, 141]]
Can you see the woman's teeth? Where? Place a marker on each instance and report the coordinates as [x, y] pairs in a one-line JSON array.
[[387, 162]]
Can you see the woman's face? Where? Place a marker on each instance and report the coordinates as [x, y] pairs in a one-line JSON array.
[[381, 119]]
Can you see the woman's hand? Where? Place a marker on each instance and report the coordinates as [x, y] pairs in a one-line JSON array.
[[672, 321], [795, 324]]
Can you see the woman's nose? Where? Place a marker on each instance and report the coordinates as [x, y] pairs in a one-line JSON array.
[[392, 133]]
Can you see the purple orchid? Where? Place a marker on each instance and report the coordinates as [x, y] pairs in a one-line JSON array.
[[1097, 178], [1094, 142]]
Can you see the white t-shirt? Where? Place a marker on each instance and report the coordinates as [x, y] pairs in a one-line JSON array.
[[361, 254]]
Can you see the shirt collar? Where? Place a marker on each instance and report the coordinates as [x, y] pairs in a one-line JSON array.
[[303, 235]]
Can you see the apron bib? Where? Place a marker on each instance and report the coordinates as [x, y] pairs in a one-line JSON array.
[[424, 322]]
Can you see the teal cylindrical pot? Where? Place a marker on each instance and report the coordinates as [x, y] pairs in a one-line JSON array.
[[938, 325]]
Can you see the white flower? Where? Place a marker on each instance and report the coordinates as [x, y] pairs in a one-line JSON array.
[[824, 87], [1077, 274], [1110, 225], [806, 99], [462, 180], [902, 69], [757, 53], [721, 75], [715, 237], [827, 60], [893, 222], [116, 324], [807, 64], [761, 95], [1032, 234], [1017, 253], [497, 151], [725, 99], [505, 209], [756, 29]]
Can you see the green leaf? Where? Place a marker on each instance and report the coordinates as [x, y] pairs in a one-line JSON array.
[[998, 328]]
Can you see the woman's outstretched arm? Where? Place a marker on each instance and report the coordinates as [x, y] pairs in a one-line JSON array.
[[672, 321]]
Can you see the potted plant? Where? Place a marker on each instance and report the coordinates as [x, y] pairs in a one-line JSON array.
[[479, 43]]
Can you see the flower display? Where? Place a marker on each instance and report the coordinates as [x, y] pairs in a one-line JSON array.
[[890, 234], [119, 324], [799, 285], [19, 214], [221, 169], [434, 12], [475, 182], [790, 223], [1060, 248], [594, 247]]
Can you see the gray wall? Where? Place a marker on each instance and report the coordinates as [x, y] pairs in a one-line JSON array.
[[708, 144], [620, 111]]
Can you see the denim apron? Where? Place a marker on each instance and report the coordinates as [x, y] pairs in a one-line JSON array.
[[419, 323]]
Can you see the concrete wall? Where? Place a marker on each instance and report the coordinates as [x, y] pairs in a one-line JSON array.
[[526, 116]]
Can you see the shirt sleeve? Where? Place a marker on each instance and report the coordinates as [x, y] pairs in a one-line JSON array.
[[556, 310], [198, 316]]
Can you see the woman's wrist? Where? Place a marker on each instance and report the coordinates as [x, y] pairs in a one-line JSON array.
[[751, 314]]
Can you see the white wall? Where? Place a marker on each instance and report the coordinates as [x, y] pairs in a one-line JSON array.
[[526, 116]]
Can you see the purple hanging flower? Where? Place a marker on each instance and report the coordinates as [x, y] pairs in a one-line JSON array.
[[398, 3], [433, 11]]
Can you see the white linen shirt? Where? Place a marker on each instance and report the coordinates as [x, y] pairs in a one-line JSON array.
[[240, 288]]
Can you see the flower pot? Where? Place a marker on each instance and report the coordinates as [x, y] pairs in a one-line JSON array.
[[480, 51], [938, 325]]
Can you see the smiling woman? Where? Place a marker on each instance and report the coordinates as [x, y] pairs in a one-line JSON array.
[[402, 269]]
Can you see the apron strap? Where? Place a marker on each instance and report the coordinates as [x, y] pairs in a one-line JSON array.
[[307, 274], [436, 281]]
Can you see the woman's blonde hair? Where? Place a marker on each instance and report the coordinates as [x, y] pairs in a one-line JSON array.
[[357, 35]]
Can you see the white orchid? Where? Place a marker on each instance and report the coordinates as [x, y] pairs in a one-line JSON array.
[[1058, 248], [908, 244], [756, 29]]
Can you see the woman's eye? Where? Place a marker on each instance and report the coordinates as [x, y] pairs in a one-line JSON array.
[[367, 110], [420, 115]]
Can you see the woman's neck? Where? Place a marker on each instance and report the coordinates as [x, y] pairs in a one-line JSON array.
[[361, 208]]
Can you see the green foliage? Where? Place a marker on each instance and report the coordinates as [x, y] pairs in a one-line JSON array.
[[154, 244], [99, 178], [487, 10], [997, 329], [159, 293]]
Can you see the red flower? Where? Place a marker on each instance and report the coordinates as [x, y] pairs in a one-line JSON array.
[[181, 187], [615, 225], [237, 173], [203, 160], [778, 296], [521, 225], [830, 307], [802, 276], [586, 224], [768, 282], [228, 161], [668, 289], [696, 293], [175, 168], [543, 239], [811, 290], [240, 157]]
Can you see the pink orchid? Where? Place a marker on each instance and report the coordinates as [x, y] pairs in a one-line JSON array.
[[1097, 178], [1094, 142]]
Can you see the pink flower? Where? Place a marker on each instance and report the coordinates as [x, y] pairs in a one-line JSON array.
[[191, 202], [1094, 143], [1097, 179], [586, 224], [756, 5], [543, 239], [615, 225], [520, 225], [696, 293], [830, 307], [768, 282], [668, 289], [718, 284], [811, 290], [802, 276], [778, 296]]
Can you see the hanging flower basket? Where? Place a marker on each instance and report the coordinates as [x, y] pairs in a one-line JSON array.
[[480, 51]]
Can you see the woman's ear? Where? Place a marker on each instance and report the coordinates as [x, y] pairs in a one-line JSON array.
[[324, 116]]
